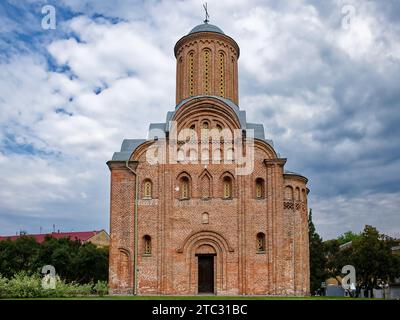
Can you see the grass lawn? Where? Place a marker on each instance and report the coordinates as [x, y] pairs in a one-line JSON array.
[[202, 298]]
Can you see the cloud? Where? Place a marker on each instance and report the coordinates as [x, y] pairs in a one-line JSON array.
[[327, 95]]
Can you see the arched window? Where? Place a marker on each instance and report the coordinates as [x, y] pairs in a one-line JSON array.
[[222, 74], [227, 185], [205, 187], [229, 154], [204, 218], [205, 125], [260, 188], [184, 188], [181, 74], [193, 132], [147, 189], [219, 127], [191, 73], [288, 193], [260, 242], [217, 156], [297, 194], [181, 155], [147, 244], [233, 75], [206, 76], [205, 155]]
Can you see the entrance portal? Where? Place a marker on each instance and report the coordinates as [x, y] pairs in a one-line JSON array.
[[206, 273]]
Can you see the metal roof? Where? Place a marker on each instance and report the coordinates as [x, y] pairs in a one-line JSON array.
[[159, 130], [206, 27]]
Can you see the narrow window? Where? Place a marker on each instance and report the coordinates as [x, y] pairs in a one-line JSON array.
[[260, 242], [222, 74], [217, 156], [184, 186], [147, 244], [191, 73], [205, 187], [288, 193], [259, 188], [147, 189], [206, 75], [227, 188], [204, 218], [229, 154], [233, 77]]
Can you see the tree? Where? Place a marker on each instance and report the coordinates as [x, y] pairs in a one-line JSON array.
[[370, 253], [72, 260], [348, 236], [317, 257], [18, 255], [374, 260]]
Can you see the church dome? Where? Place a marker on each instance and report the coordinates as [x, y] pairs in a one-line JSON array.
[[206, 27]]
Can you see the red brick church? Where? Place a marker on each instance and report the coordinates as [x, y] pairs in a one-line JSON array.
[[204, 205]]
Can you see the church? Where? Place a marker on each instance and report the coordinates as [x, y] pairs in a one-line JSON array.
[[204, 204]]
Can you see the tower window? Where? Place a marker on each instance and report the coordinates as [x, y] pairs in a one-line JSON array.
[[222, 74], [227, 185], [207, 71], [147, 244], [233, 76], [260, 242], [191, 73]]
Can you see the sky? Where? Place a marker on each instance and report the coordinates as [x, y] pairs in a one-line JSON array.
[[322, 76]]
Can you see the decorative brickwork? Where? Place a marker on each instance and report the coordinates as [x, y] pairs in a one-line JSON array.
[[253, 226]]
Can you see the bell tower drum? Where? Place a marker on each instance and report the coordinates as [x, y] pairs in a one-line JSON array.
[[207, 64]]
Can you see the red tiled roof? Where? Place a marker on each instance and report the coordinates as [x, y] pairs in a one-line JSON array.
[[82, 236]]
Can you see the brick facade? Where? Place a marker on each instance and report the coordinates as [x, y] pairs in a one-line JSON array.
[[206, 222]]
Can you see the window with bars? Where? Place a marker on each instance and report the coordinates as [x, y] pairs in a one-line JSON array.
[[191, 73], [260, 242], [207, 54], [147, 189], [222, 74], [184, 188], [227, 186], [147, 244]]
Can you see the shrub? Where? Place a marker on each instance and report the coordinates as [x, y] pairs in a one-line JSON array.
[[3, 287], [24, 286], [101, 288]]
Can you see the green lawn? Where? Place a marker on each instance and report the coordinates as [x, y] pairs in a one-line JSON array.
[[202, 298]]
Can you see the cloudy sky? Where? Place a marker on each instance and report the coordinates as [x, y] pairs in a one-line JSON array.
[[323, 77]]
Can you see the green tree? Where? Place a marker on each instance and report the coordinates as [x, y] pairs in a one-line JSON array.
[[374, 260], [317, 257], [18, 255], [348, 236], [91, 264]]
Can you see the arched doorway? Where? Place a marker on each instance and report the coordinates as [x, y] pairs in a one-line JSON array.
[[206, 269]]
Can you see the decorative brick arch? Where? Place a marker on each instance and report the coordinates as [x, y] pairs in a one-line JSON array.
[[196, 242], [124, 269], [212, 235]]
